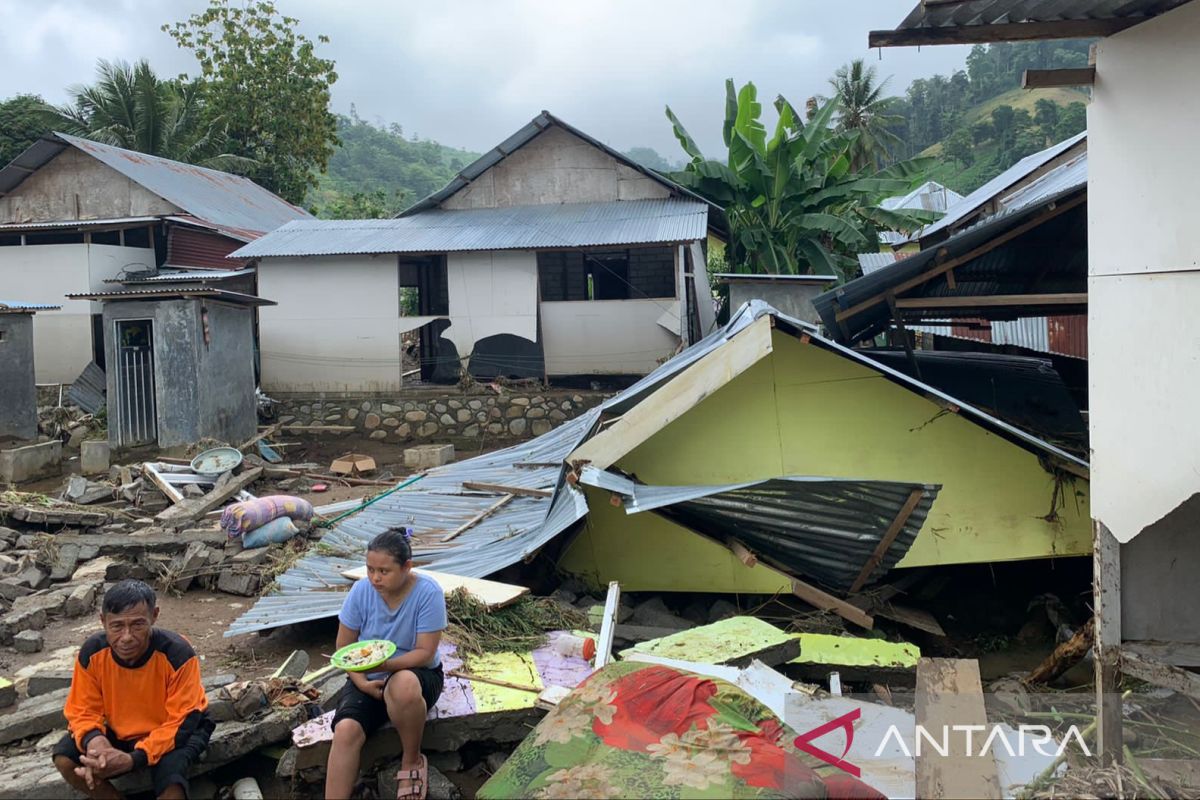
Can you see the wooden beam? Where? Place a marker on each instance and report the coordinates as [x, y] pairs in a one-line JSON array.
[[889, 537], [908, 351], [680, 394], [950, 698], [1106, 602], [994, 300], [196, 507], [743, 553], [482, 515], [496, 488], [608, 626], [1002, 32], [827, 602], [1056, 78], [173, 494], [945, 266], [1166, 676]]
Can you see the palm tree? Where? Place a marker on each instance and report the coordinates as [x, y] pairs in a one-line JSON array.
[[862, 107], [130, 107], [793, 202]]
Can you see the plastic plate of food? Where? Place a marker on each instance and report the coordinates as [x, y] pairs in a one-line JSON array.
[[363, 656]]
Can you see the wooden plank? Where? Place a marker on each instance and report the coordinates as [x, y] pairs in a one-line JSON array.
[[194, 508], [889, 537], [994, 300], [466, 676], [827, 602], [1056, 78], [1159, 674], [1177, 654], [497, 488], [1001, 32], [950, 693], [608, 626], [482, 515], [680, 394], [494, 593], [263, 434], [917, 618], [1106, 602], [737, 641], [173, 494], [945, 266], [743, 553]]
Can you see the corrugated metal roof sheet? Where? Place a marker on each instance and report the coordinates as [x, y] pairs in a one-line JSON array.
[[938, 21], [185, 276], [999, 184], [515, 228], [873, 262], [230, 202], [1060, 180], [524, 136], [929, 196], [18, 307], [171, 294], [82, 224], [823, 529]]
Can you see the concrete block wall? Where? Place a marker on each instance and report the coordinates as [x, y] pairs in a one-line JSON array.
[[427, 415]]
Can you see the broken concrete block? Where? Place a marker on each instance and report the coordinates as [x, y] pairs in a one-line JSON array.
[[8, 564], [93, 570], [251, 557], [8, 693], [80, 601], [11, 588], [28, 463], [16, 621], [654, 613], [47, 681], [49, 603], [65, 563], [83, 492], [240, 584], [28, 642], [295, 666], [424, 456], [217, 681], [8, 537], [88, 551], [28, 541], [94, 457], [193, 490], [34, 717], [32, 575], [187, 564]]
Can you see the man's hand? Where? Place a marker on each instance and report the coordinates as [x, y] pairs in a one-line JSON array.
[[105, 765]]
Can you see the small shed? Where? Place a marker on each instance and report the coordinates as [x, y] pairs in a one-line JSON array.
[[791, 294], [181, 365], [18, 393]]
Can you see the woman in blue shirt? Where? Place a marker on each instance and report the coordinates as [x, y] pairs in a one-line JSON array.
[[409, 609]]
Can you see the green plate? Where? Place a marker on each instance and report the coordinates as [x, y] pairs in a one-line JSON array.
[[339, 658]]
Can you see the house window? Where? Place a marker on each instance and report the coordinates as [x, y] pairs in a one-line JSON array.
[[137, 237], [106, 237], [10, 241], [53, 238], [631, 274]]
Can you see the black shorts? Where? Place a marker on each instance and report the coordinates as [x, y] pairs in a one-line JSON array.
[[371, 713], [190, 743]]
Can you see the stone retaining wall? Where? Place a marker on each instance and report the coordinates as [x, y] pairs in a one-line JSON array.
[[428, 415]]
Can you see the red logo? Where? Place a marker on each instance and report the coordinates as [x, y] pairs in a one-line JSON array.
[[846, 723]]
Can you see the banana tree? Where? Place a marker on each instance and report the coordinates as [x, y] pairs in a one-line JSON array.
[[794, 204]]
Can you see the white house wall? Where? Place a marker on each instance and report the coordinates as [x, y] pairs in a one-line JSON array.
[[1143, 286], [614, 337], [491, 293], [336, 326], [556, 167], [44, 273]]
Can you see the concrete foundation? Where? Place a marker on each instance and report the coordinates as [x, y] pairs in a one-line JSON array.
[[425, 456], [31, 462]]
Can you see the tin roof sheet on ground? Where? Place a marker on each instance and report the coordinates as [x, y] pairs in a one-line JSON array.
[[514, 228], [237, 205]]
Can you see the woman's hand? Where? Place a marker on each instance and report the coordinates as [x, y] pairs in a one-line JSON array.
[[368, 687]]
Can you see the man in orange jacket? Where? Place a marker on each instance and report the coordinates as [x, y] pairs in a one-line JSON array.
[[135, 702]]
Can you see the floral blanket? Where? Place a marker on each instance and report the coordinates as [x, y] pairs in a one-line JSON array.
[[644, 730]]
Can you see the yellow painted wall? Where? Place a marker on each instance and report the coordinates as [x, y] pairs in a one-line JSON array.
[[804, 411]]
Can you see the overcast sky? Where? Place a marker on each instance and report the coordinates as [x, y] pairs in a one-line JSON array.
[[470, 72]]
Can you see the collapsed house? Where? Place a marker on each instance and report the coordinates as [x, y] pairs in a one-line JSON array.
[[938, 481], [552, 255], [76, 214]]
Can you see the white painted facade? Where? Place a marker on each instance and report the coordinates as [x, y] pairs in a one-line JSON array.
[[336, 327], [1144, 272], [491, 292], [44, 273], [616, 337]]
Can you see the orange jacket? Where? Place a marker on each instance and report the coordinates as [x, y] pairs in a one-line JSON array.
[[146, 701]]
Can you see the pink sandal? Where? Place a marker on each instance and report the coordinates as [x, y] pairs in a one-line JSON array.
[[418, 782]]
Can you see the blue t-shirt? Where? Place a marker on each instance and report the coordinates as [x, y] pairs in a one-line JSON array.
[[422, 611]]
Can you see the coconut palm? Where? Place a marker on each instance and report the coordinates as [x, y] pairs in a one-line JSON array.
[[794, 204], [862, 107], [130, 107]]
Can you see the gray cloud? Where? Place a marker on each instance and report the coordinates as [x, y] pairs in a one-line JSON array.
[[469, 72]]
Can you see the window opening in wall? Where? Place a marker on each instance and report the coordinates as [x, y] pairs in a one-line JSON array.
[[3, 336], [10, 241], [137, 237], [106, 237], [424, 292], [631, 274], [53, 238]]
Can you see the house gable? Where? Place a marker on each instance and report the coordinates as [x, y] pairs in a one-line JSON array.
[[556, 166], [74, 185]]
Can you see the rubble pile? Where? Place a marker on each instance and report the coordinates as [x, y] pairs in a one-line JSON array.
[[71, 425]]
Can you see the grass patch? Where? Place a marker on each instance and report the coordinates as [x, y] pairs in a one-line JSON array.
[[517, 628]]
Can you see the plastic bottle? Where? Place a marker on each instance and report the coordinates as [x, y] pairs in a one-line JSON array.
[[567, 644], [247, 789]]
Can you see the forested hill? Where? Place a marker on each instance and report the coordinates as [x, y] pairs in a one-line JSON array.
[[980, 121]]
